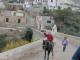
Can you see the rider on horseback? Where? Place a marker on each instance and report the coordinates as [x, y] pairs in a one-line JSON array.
[[48, 44], [49, 36]]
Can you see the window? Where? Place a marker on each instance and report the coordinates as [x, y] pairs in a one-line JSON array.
[[7, 19], [19, 20], [51, 0], [48, 21]]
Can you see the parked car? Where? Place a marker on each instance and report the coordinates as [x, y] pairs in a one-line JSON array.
[[76, 55]]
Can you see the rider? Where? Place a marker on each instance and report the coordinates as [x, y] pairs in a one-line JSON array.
[[49, 38]]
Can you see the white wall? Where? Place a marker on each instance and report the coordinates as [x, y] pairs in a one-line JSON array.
[[51, 4], [37, 1], [2, 6], [54, 30], [39, 22], [26, 5]]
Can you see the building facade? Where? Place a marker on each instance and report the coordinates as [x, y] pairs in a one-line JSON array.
[[46, 23], [12, 19], [2, 5]]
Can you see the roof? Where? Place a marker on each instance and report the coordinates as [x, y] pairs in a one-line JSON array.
[[16, 4], [12, 13], [2, 5]]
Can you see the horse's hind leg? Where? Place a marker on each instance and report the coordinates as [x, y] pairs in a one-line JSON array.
[[48, 55], [45, 55], [52, 51]]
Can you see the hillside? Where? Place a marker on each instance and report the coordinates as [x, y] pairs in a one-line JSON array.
[[67, 21]]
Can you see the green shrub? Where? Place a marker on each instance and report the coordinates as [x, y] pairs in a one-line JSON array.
[[2, 42], [29, 34], [67, 20]]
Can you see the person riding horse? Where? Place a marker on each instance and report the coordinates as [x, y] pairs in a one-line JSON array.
[[48, 44]]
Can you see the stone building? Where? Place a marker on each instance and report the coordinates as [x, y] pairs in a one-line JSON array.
[[46, 23], [2, 5], [14, 6], [12, 18]]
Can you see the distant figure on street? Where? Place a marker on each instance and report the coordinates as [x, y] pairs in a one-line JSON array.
[[76, 55], [64, 43]]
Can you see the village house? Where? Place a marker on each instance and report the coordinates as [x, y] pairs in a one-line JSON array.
[[13, 15], [51, 4], [14, 6], [12, 18], [2, 5], [54, 4]]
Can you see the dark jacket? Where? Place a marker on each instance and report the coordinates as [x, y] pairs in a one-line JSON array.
[[76, 56]]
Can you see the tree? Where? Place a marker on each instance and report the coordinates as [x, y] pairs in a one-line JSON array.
[[45, 11], [67, 20]]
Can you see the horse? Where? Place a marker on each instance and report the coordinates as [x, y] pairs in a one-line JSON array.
[[47, 47]]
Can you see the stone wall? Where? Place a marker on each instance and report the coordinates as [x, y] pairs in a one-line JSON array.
[[9, 18], [19, 52], [18, 33]]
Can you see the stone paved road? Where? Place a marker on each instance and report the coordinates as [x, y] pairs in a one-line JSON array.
[[38, 53]]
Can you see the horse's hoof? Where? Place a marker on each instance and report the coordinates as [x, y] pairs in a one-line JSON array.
[[52, 54], [44, 58]]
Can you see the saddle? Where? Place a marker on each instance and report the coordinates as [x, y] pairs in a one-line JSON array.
[[47, 45]]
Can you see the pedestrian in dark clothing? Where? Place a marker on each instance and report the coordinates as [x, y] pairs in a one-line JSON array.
[[76, 55]]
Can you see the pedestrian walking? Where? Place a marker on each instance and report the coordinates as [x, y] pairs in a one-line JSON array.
[[64, 43]]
